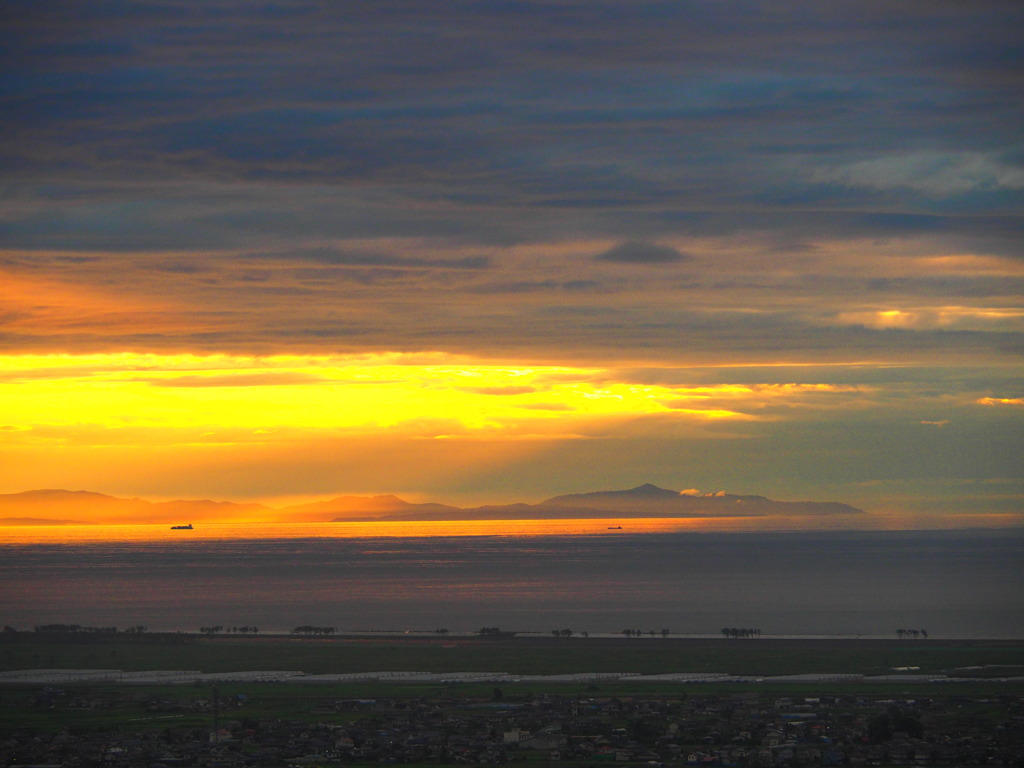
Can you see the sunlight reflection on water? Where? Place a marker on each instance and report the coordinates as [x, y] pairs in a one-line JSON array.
[[692, 576], [22, 534]]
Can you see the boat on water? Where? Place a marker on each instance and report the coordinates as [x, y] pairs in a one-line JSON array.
[[614, 527], [182, 527]]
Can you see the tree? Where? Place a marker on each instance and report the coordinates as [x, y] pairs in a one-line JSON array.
[[901, 720], [309, 629], [879, 728], [741, 632]]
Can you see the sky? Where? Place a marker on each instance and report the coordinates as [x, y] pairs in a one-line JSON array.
[[498, 251]]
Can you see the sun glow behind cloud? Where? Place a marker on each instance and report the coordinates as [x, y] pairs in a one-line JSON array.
[[122, 420], [365, 393], [599, 255]]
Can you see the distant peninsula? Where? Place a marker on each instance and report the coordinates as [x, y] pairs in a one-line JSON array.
[[643, 501], [61, 507]]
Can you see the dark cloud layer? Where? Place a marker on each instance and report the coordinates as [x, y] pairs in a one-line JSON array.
[[641, 253], [734, 110]]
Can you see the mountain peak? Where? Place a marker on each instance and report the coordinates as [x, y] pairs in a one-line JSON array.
[[648, 500], [647, 491]]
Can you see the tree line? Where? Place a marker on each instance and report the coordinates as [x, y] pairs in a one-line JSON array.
[[217, 629], [76, 629], [640, 632], [735, 632], [309, 630], [912, 633]]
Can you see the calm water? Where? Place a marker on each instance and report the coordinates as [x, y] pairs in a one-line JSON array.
[[524, 576]]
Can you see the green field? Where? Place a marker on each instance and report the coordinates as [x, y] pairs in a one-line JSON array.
[[515, 655], [84, 708]]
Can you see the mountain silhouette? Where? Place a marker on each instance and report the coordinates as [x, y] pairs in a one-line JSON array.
[[643, 501], [361, 507], [59, 506], [56, 505]]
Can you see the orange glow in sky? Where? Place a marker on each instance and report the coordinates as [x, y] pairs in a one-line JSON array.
[[587, 260], [156, 396], [360, 393], [118, 419]]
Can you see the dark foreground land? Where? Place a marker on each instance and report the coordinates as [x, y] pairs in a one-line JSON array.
[[909, 722]]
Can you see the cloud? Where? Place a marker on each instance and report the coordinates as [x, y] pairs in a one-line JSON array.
[[634, 252], [501, 390], [638, 190], [934, 173], [960, 318], [239, 380]]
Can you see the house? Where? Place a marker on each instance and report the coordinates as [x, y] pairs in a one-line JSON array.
[[547, 741]]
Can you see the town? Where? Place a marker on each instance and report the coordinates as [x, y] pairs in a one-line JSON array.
[[713, 727]]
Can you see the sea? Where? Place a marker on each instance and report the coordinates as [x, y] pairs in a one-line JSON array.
[[586, 576]]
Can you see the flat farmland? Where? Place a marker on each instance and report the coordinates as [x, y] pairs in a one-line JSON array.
[[182, 711], [514, 655]]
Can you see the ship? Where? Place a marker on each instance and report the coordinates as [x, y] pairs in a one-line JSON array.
[[182, 527]]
